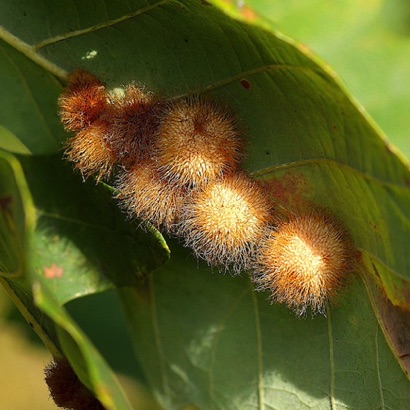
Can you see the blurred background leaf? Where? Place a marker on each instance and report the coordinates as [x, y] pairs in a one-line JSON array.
[[207, 340], [367, 42]]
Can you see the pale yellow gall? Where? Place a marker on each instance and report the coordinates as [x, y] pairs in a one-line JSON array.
[[196, 142], [223, 222]]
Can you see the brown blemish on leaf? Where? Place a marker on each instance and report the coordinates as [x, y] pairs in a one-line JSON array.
[[247, 13], [245, 84], [5, 209], [52, 272], [376, 272], [394, 321], [5, 204], [289, 191], [398, 292], [396, 324]]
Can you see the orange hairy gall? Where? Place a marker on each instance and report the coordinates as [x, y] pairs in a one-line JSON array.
[[90, 153], [196, 142], [83, 101], [304, 261], [134, 118], [223, 222], [143, 194]]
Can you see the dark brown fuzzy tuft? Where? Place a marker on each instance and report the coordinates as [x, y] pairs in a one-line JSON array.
[[83, 101], [66, 389], [134, 118]]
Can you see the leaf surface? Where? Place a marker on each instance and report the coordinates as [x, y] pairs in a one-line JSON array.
[[224, 346], [208, 340], [47, 247]]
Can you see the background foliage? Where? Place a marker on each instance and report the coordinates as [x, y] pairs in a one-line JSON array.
[[206, 340]]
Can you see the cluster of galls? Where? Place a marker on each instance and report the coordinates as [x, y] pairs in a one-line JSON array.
[[177, 165]]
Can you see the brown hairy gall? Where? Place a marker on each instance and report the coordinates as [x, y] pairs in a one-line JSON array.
[[304, 261], [83, 101], [196, 142], [224, 221], [134, 118], [89, 151], [66, 389], [178, 164], [144, 194]]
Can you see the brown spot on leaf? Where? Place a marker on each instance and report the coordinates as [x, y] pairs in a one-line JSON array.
[[395, 322], [246, 12], [54, 271], [398, 291], [376, 272], [245, 84], [6, 210], [5, 203], [288, 191]]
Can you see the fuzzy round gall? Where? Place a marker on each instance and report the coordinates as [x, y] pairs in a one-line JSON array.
[[144, 194], [83, 101], [304, 262], [134, 118], [224, 221], [196, 142], [89, 151]]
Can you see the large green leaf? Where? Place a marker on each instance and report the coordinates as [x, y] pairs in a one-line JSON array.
[[84, 246], [28, 120], [225, 347], [366, 42], [75, 238], [205, 339], [90, 367], [47, 248]]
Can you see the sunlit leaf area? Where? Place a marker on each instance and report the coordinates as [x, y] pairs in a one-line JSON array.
[[321, 93]]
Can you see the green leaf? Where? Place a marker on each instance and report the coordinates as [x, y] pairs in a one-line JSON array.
[[27, 105], [204, 339], [65, 244], [15, 217], [82, 243], [43, 243], [88, 364], [9, 142], [16, 227], [223, 346], [367, 43]]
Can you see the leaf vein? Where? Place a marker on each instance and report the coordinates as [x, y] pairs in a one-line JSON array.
[[214, 345], [259, 348], [32, 99], [157, 339], [392, 271], [331, 361], [241, 74], [31, 53], [76, 33], [314, 161], [382, 404]]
